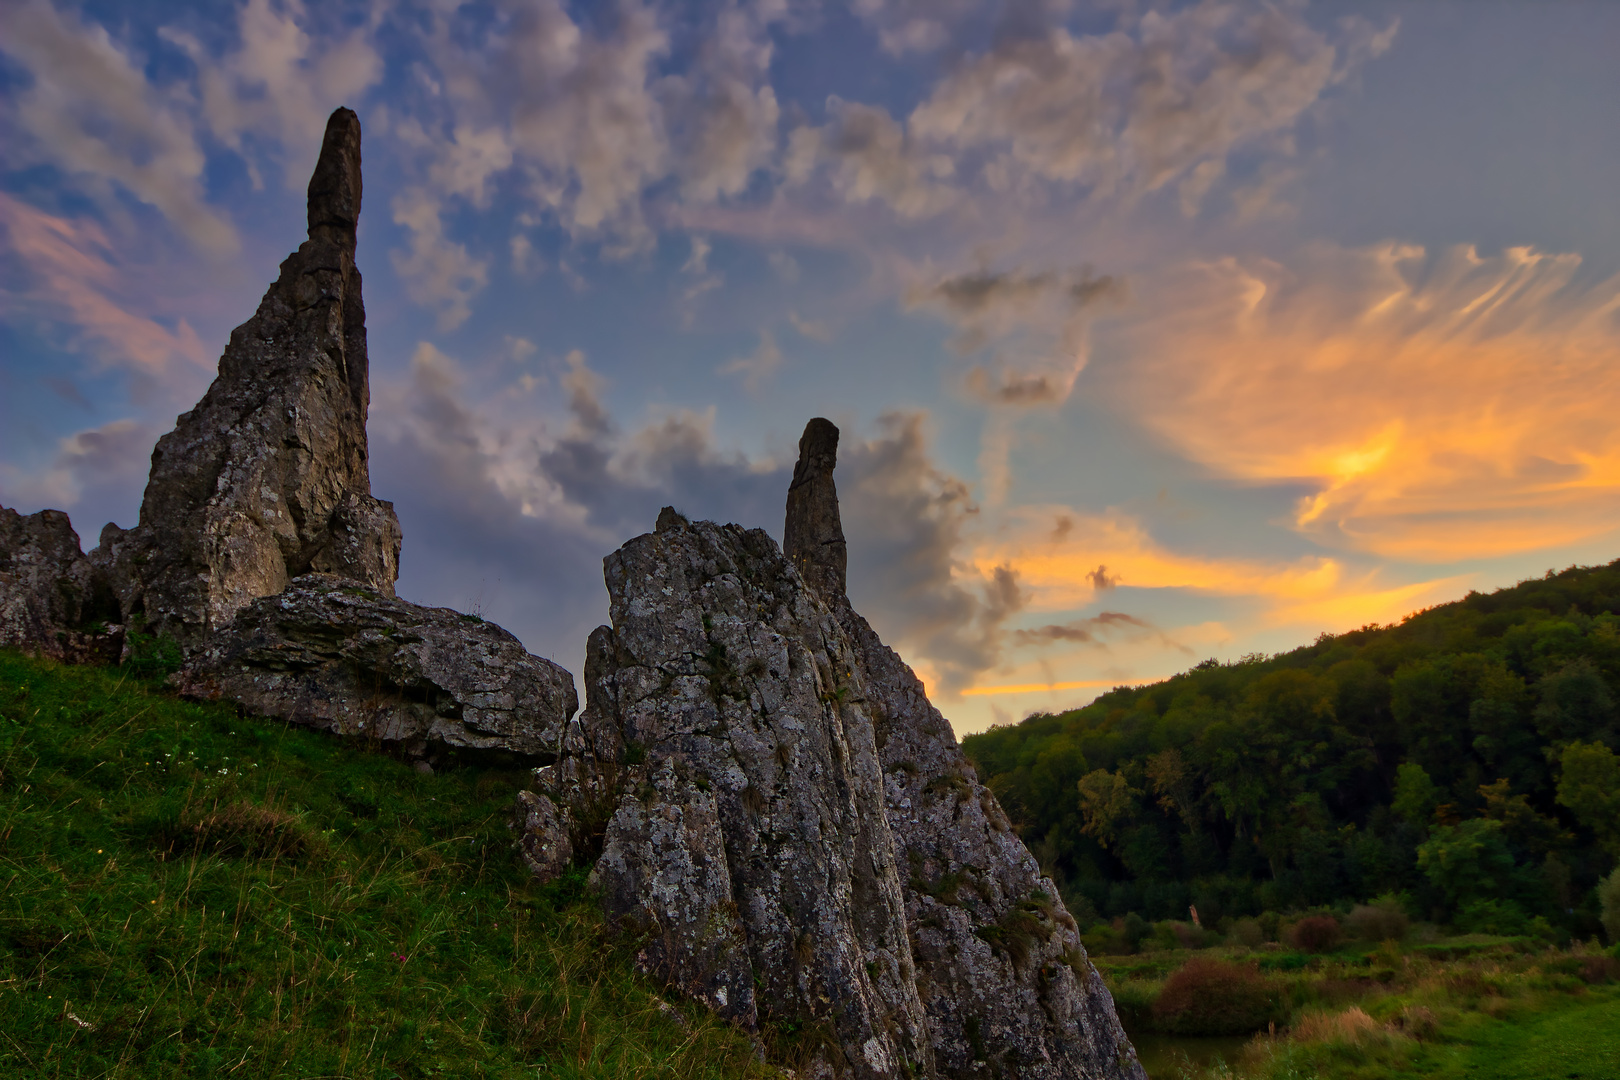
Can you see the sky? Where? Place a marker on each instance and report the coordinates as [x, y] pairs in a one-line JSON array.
[[1155, 332]]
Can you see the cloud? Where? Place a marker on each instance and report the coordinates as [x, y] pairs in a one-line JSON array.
[[810, 328], [1133, 110], [91, 112], [908, 522], [437, 271], [1437, 407], [914, 26], [758, 365], [1165, 99], [1034, 323], [1093, 630], [868, 156], [515, 510], [73, 277], [289, 70], [95, 474]]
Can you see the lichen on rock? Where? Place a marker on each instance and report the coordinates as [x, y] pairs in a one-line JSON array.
[[777, 804], [267, 477], [332, 654]]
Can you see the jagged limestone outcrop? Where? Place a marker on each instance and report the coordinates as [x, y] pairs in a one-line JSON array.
[[52, 600], [267, 477], [746, 833], [1002, 972], [783, 814], [332, 654]]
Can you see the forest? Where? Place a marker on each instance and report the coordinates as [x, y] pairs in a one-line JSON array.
[[1460, 764]]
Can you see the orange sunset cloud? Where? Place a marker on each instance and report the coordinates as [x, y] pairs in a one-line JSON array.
[[1448, 408]]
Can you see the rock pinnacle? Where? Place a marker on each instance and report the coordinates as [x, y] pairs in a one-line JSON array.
[[813, 537], [267, 478]]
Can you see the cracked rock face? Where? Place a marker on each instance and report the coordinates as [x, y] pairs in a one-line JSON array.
[[52, 600], [267, 477], [783, 813], [1004, 978], [332, 654], [741, 796]]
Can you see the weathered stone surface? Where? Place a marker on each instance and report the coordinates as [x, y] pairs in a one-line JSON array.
[[748, 832], [333, 654], [1001, 970], [267, 477], [813, 539], [52, 600]]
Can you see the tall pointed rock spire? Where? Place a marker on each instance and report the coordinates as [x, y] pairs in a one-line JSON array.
[[268, 477], [813, 536]]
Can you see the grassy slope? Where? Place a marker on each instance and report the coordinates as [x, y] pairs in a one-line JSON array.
[[185, 893]]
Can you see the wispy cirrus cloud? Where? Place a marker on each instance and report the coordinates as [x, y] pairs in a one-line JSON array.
[[1438, 406], [71, 275]]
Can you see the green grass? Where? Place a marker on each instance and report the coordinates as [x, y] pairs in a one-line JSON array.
[[187, 893], [1497, 1009]]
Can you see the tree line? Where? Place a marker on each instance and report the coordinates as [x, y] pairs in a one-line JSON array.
[[1461, 763]]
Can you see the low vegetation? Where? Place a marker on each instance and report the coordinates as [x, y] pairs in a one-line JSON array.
[[1475, 1006], [184, 893]]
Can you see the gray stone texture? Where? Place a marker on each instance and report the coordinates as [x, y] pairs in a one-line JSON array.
[[267, 477], [747, 834], [53, 602], [1001, 970], [330, 653], [783, 813]]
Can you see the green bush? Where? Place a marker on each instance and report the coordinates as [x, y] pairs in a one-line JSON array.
[[1216, 997], [1503, 918]]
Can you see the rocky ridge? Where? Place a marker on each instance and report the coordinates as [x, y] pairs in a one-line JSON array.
[[332, 654]]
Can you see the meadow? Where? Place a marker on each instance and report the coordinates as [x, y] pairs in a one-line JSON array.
[[189, 893], [1456, 1007]]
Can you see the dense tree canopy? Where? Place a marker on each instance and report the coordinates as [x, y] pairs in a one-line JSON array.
[[1462, 760]]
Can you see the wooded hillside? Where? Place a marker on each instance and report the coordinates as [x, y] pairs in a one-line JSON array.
[[1462, 760]]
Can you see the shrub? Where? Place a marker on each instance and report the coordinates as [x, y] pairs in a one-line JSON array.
[[1609, 898], [1315, 934], [1381, 921], [1502, 917], [1216, 997], [1248, 932]]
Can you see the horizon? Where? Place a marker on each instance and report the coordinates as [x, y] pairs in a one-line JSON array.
[[1155, 333]]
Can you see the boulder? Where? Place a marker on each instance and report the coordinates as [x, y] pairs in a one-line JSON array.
[[53, 602], [331, 653], [267, 478]]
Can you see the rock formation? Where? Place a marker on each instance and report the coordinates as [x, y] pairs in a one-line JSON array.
[[267, 477], [332, 654], [1002, 973], [52, 600], [791, 825]]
